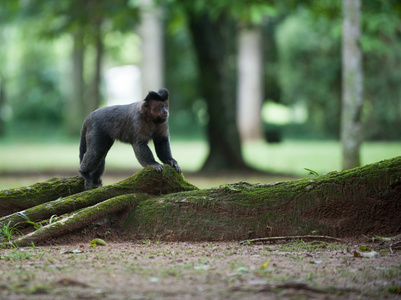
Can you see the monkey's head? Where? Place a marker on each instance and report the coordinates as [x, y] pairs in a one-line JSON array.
[[157, 106]]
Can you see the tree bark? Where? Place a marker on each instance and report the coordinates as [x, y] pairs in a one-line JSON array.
[[94, 98], [14, 200], [2, 103], [214, 42], [40, 205], [359, 201], [76, 106], [152, 48], [352, 99], [250, 83], [164, 206]]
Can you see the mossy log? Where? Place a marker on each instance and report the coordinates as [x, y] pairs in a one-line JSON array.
[[80, 218], [363, 200], [13, 200], [146, 181]]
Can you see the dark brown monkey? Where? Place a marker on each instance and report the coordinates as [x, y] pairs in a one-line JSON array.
[[135, 124]]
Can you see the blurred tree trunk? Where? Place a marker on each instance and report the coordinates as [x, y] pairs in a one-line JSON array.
[[76, 105], [2, 103], [94, 98], [250, 83], [214, 42], [151, 33], [352, 100]]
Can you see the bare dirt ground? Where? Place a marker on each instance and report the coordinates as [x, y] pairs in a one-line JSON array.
[[209, 270]]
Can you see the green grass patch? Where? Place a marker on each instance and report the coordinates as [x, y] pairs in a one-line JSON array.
[[290, 157]]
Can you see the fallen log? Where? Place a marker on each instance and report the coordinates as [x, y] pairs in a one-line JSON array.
[[13, 200], [146, 182], [363, 200]]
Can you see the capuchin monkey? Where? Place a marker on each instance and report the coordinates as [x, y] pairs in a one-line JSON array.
[[134, 124]]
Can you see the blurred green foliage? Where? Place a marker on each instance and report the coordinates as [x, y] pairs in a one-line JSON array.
[[302, 50]]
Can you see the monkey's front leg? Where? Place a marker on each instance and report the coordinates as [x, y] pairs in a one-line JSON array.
[[163, 151], [145, 156]]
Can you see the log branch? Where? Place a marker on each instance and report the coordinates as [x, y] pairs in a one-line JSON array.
[[78, 219], [13, 200], [294, 237]]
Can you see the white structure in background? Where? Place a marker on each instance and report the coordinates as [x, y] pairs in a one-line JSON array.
[[250, 84], [123, 85], [152, 49]]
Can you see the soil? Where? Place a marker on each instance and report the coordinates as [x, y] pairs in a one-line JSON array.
[[71, 269]]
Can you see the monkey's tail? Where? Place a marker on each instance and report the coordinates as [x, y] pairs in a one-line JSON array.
[[82, 145]]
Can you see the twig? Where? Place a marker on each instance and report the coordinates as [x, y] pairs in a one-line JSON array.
[[291, 237]]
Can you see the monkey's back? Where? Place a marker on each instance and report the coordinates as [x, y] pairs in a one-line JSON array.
[[119, 122]]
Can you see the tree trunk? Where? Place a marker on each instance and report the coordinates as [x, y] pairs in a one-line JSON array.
[[152, 48], [76, 105], [352, 99], [250, 83], [214, 42], [359, 201], [2, 103], [94, 98]]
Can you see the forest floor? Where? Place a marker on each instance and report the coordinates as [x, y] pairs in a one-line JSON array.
[[71, 269]]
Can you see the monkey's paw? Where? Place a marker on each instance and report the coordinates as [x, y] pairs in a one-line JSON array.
[[175, 165], [157, 167]]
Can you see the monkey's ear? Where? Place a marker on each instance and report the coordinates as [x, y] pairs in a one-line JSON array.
[[163, 93], [153, 96]]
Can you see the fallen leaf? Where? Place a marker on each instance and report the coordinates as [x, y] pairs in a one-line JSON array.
[[97, 242], [371, 254], [75, 251], [265, 265], [316, 262]]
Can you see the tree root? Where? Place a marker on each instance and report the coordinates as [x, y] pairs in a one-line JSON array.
[[294, 237], [336, 204], [89, 206], [13, 200], [78, 219]]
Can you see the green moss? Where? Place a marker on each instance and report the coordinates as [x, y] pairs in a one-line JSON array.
[[13, 200], [156, 183], [242, 210]]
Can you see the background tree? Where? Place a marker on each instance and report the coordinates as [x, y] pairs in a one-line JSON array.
[[213, 29], [352, 98], [250, 67], [214, 42], [85, 22], [152, 46]]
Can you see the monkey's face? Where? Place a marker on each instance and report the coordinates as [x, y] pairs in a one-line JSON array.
[[158, 111]]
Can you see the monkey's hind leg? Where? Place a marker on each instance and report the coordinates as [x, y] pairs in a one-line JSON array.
[[96, 181], [89, 166], [93, 161]]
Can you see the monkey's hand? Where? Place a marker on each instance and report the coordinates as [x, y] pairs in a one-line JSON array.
[[175, 165], [156, 166]]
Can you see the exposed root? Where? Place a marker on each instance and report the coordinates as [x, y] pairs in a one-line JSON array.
[[78, 219], [292, 237]]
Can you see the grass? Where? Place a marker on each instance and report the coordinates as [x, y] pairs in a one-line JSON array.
[[289, 157], [293, 156]]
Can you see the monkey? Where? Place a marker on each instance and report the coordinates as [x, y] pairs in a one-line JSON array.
[[135, 124]]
